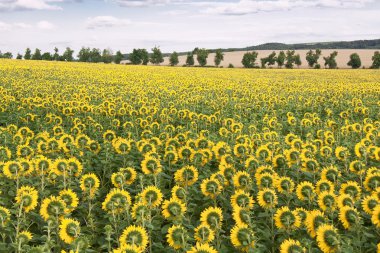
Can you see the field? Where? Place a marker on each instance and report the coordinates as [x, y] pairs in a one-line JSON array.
[[236, 57], [110, 158]]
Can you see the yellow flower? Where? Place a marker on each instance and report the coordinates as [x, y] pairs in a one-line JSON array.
[[327, 201], [324, 186], [134, 236], [24, 237], [177, 237], [349, 217], [70, 198], [241, 215], [242, 238], [211, 188], [173, 209], [328, 239], [140, 211], [266, 180], [351, 188], [291, 246], [151, 165], [204, 234], [27, 198], [369, 203], [242, 199], [372, 181], [179, 193], [5, 215], [89, 184], [376, 216], [186, 176], [305, 191], [286, 219], [213, 217], [267, 198], [202, 248], [314, 219], [284, 185], [69, 230], [117, 201], [53, 208], [151, 196], [13, 169]]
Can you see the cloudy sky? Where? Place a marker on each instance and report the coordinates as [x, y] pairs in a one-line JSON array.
[[181, 25]]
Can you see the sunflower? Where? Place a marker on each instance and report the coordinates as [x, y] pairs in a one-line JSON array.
[[267, 198], [213, 217], [251, 164], [241, 215], [117, 201], [345, 200], [121, 146], [89, 184], [328, 239], [179, 193], [376, 216], [171, 156], [69, 230], [266, 180], [177, 237], [126, 249], [24, 237], [5, 154], [242, 238], [372, 181], [52, 208], [5, 216], [376, 193], [369, 203], [324, 186], [302, 213], [151, 165], [13, 169], [42, 165], [70, 198], [109, 135], [327, 201], [186, 176], [286, 219], [314, 220], [151, 196], [173, 209], [202, 248], [27, 198], [291, 246], [228, 171], [211, 188], [204, 234], [242, 199], [305, 191], [349, 217], [351, 188], [24, 151], [140, 211], [310, 165], [134, 236], [279, 161], [263, 153], [75, 167], [284, 185], [342, 153]]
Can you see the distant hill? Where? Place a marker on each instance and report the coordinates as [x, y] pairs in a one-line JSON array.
[[356, 44]]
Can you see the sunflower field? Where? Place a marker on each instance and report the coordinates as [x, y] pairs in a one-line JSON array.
[[133, 159]]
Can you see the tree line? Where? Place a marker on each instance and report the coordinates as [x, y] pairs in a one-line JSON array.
[[139, 56]]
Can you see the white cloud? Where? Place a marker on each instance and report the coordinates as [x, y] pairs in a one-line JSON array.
[[140, 3], [254, 6], [105, 21], [12, 26], [45, 25], [14, 5]]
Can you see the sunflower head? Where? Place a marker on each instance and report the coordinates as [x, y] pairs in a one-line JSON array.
[[241, 215], [186, 176], [117, 201], [305, 191], [173, 209], [24, 237], [242, 238], [291, 246], [134, 236], [211, 188], [70, 198], [349, 217], [204, 234], [89, 184], [27, 198], [284, 185], [177, 237], [179, 193], [314, 219], [202, 248], [151, 196], [5, 215], [369, 203], [351, 188], [376, 216], [212, 217], [286, 219], [69, 230], [328, 239], [267, 198], [242, 199], [327, 201], [53, 208]]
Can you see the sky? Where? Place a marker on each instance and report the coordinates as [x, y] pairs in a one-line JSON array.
[[181, 25]]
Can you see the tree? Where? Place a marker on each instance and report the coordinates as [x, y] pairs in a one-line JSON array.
[[37, 55], [281, 59], [95, 55], [330, 60], [144, 56], [156, 57], [219, 57], [173, 59], [19, 56], [270, 60], [312, 58], [355, 61], [56, 56], [202, 55], [107, 56], [249, 59], [190, 59], [290, 59], [68, 54], [7, 55], [376, 60], [28, 54], [139, 56], [83, 55], [46, 56], [118, 57], [297, 60]]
